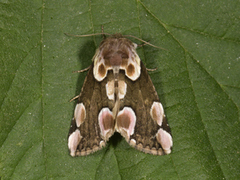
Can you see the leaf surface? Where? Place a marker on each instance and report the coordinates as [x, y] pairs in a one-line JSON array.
[[197, 79]]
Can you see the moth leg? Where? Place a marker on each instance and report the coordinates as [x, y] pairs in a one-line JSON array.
[[80, 71], [74, 98], [151, 69], [83, 70]]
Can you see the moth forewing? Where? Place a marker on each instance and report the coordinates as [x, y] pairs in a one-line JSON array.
[[118, 95]]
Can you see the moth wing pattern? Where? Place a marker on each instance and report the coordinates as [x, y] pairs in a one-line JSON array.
[[151, 133], [118, 95], [84, 134]]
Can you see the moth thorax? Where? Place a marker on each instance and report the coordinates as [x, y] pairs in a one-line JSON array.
[[116, 76], [115, 59], [116, 71], [115, 49]]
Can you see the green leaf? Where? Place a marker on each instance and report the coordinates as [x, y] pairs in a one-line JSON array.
[[197, 79]]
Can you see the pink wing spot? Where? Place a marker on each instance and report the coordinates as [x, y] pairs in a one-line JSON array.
[[126, 120], [165, 139], [106, 123], [73, 142], [79, 114], [157, 112]]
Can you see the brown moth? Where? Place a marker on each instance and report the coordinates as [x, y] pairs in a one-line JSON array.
[[118, 95]]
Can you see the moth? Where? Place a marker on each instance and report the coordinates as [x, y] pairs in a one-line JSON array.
[[118, 96]]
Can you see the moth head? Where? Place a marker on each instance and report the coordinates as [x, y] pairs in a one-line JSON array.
[[116, 51]]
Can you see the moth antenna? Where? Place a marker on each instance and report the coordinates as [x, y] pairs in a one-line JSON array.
[[86, 35], [141, 45], [103, 35], [145, 42]]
